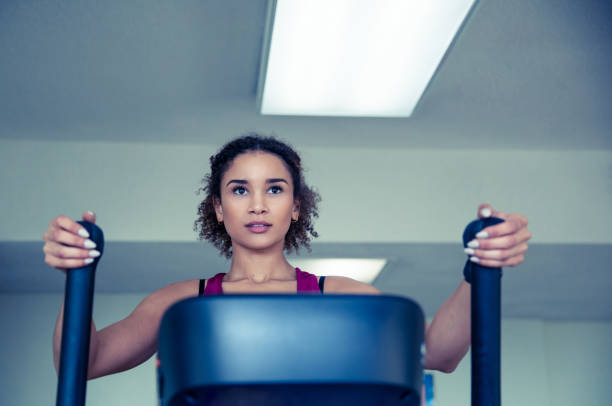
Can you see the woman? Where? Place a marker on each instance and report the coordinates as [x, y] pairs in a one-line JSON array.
[[257, 206]]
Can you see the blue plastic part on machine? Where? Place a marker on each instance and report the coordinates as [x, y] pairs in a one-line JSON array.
[[78, 305], [485, 323], [291, 350]]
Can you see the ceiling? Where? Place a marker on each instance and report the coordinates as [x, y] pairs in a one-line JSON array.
[[520, 75]]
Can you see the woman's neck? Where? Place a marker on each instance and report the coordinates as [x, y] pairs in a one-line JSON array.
[[259, 268]]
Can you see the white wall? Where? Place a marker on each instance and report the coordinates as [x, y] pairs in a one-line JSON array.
[[146, 192], [543, 363]]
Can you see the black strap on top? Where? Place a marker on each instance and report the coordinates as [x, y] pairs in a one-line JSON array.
[[321, 283], [202, 282]]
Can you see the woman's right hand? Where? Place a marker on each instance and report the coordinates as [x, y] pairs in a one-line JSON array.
[[67, 244]]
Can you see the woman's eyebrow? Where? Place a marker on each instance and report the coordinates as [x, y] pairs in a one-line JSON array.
[[239, 181], [245, 182], [275, 180]]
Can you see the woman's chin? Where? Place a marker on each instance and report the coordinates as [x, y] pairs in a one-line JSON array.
[[260, 244]]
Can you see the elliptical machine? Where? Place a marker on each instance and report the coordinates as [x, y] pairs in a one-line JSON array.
[[345, 349]]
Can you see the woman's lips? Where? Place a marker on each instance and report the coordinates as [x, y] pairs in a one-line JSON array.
[[258, 228]]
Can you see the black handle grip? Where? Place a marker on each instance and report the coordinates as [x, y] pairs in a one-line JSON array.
[[78, 304], [486, 323]]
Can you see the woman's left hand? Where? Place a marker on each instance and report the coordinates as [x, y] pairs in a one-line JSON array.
[[500, 245]]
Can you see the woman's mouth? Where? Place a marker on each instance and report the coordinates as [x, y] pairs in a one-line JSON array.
[[258, 227]]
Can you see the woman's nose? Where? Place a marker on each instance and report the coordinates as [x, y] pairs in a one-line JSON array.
[[258, 204]]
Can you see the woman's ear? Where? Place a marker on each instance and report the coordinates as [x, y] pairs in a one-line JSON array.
[[295, 212], [218, 209]]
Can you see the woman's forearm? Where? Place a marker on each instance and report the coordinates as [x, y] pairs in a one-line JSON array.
[[57, 341], [447, 338]]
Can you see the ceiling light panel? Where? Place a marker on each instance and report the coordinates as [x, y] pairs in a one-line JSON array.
[[354, 57]]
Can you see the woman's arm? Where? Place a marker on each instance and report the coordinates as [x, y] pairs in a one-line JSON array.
[[122, 345], [447, 338], [131, 341]]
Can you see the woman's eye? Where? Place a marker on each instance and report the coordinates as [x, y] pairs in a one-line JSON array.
[[239, 190], [275, 190]]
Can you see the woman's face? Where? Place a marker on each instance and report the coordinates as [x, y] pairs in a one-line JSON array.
[[257, 203]]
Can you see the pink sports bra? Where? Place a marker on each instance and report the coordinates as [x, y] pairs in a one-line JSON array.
[[306, 283]]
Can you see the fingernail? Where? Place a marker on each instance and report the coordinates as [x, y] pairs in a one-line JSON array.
[[88, 261], [482, 234], [473, 244], [474, 259], [485, 212], [89, 244], [83, 233], [91, 213], [94, 253], [469, 251]]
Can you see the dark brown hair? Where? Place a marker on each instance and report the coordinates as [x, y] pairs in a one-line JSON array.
[[210, 229]]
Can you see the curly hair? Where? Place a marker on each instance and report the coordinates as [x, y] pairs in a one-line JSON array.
[[207, 226]]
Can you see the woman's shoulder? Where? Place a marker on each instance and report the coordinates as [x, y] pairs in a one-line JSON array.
[[155, 304], [343, 284], [178, 290]]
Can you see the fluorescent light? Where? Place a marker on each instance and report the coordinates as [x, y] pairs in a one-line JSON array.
[[354, 57], [361, 269]]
